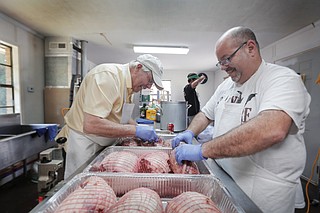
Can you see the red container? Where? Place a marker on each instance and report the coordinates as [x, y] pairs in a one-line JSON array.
[[170, 127]]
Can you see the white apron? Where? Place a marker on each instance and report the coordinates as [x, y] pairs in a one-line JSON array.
[[268, 191], [127, 108], [84, 146]]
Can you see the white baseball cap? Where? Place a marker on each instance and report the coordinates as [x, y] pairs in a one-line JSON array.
[[153, 64]]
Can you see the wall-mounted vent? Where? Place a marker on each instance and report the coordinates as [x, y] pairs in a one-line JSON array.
[[57, 45]]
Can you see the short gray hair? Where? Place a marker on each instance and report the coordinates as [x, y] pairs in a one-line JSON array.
[[134, 64], [243, 34]]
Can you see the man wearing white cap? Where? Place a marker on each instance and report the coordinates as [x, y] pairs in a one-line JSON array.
[[101, 111]]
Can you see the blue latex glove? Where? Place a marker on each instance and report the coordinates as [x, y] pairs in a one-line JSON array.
[[185, 136], [146, 133], [51, 130], [189, 152]]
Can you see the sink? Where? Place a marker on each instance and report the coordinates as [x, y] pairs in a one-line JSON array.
[[18, 142], [4, 136], [18, 129]]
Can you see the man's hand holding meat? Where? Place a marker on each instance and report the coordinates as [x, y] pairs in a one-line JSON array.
[[146, 133], [189, 152]]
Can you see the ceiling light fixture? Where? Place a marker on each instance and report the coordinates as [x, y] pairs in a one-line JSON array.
[[161, 49]]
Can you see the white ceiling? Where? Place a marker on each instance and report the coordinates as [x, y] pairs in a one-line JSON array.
[[193, 23]]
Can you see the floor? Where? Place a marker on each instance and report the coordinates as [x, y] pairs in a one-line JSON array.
[[21, 195]]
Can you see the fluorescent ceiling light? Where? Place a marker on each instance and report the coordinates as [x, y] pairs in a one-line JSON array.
[[161, 49]]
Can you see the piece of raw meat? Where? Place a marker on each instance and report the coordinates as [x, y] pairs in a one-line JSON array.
[[129, 141], [187, 167], [93, 195], [163, 143], [134, 141], [154, 162], [190, 202], [138, 200], [119, 161]]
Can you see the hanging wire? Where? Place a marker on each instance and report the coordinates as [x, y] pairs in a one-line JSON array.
[[307, 185]]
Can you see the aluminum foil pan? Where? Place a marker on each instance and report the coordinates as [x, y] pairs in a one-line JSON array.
[[203, 168], [166, 186]]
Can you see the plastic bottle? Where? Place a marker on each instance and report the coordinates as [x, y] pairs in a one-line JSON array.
[[151, 114], [143, 110]]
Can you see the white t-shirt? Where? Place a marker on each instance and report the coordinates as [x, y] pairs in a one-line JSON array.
[[271, 87]]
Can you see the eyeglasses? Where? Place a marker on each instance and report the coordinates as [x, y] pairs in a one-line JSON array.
[[227, 61]]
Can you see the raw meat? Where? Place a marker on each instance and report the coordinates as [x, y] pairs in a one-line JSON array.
[[133, 141], [187, 167], [120, 161], [129, 141], [94, 195], [190, 202], [164, 143], [154, 162], [138, 200]]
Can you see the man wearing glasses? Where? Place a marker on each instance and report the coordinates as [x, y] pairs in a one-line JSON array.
[[259, 115], [101, 111]]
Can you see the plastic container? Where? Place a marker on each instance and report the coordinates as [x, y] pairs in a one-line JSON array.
[[151, 114]]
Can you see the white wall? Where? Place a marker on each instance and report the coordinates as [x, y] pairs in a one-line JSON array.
[[30, 47], [305, 39]]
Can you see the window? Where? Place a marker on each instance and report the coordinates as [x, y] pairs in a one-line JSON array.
[[6, 80], [154, 96], [161, 95]]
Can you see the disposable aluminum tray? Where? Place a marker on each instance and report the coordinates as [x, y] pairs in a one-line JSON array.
[[166, 186], [139, 150]]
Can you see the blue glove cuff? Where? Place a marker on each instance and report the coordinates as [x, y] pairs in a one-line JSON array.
[[203, 158], [190, 132]]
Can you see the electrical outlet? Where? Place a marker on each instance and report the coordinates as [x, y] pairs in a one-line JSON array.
[[30, 89]]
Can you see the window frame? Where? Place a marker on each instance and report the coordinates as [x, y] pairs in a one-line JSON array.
[[10, 86]]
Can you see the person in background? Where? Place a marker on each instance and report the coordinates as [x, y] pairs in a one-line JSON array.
[[259, 115], [101, 111], [191, 96]]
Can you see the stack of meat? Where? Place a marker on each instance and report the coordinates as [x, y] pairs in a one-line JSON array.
[[95, 195], [153, 162], [133, 141]]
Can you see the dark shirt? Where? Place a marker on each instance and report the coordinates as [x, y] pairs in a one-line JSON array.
[[190, 95]]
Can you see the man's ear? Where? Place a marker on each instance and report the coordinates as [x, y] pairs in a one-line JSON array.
[[139, 66], [251, 46]]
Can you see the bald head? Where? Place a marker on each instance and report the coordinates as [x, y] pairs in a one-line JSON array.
[[238, 35]]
